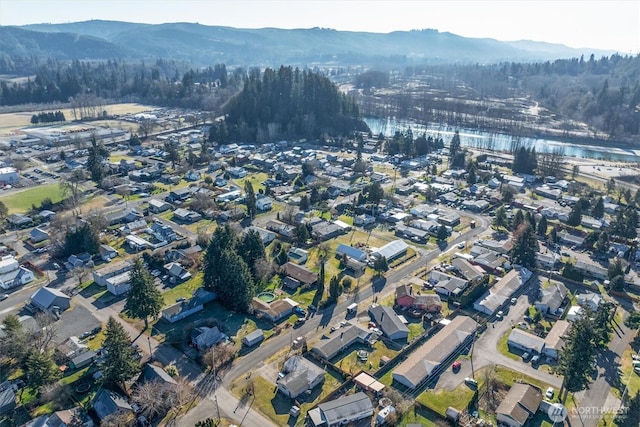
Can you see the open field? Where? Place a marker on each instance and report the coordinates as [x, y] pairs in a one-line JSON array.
[[20, 202], [10, 122]]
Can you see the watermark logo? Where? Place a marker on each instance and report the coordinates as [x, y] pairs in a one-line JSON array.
[[557, 412], [597, 412]]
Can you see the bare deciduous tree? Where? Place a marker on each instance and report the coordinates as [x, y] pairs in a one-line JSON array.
[[119, 419], [219, 355]]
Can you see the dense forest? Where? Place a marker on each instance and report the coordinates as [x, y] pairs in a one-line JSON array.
[[164, 83], [288, 102]]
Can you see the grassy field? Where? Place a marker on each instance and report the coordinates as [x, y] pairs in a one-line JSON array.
[[352, 365], [12, 121], [183, 290], [21, 201]]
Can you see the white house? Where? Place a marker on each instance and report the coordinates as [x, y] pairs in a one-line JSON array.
[[264, 203], [12, 274]]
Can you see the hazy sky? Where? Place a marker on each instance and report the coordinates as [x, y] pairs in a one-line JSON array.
[[595, 24]]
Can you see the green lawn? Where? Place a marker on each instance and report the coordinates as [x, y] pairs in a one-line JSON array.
[[351, 365], [440, 400], [276, 406], [503, 347], [21, 202], [183, 290]]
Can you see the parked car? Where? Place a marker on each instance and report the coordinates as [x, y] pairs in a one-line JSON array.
[[456, 366], [549, 393], [500, 315], [528, 319], [535, 360], [523, 325], [526, 356], [300, 311], [471, 382], [3, 297], [514, 301]]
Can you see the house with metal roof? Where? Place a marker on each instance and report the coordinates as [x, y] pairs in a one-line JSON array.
[[107, 402], [499, 293], [554, 341], [391, 250], [427, 360], [519, 405], [551, 298], [341, 411], [388, 322], [46, 299], [351, 252]]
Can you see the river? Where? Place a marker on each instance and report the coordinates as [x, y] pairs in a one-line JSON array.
[[499, 141]]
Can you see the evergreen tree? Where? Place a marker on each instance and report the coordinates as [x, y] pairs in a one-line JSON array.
[[615, 269], [238, 287], [575, 216], [597, 211], [517, 220], [553, 235], [301, 233], [525, 246], [542, 226], [97, 155], [442, 233], [380, 265], [40, 369], [454, 146], [320, 283], [334, 288], [576, 357], [251, 249], [250, 199], [603, 243], [305, 203], [120, 361], [222, 238], [144, 300], [500, 220]]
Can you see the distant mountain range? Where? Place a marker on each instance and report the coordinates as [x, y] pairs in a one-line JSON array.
[[208, 45]]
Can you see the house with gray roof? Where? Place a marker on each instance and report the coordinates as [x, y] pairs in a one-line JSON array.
[[204, 338], [341, 340], [107, 402], [427, 359], [300, 376], [502, 291], [46, 299], [152, 372], [519, 405], [551, 298], [391, 250], [351, 252], [525, 341], [342, 411], [7, 398], [388, 322]]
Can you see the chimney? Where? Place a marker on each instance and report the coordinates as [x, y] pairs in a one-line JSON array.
[[410, 290]]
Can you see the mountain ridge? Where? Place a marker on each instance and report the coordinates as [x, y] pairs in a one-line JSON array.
[[269, 46]]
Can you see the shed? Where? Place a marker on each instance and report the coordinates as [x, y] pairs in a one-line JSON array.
[[253, 338], [7, 398]]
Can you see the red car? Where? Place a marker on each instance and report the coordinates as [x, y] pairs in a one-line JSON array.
[[456, 366]]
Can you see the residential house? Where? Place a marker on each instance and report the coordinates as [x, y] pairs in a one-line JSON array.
[[490, 261], [592, 270], [101, 275], [183, 309], [179, 195], [162, 232], [548, 260], [38, 235], [74, 417], [107, 253], [298, 255], [551, 298], [364, 220], [570, 239], [525, 341], [192, 176], [472, 273], [123, 216], [297, 275], [389, 322], [326, 230], [589, 300], [446, 284], [152, 373], [204, 337], [17, 220], [274, 311], [133, 227], [186, 215], [554, 341], [185, 255], [7, 398], [342, 340], [237, 172], [107, 402], [285, 230], [427, 360], [177, 271], [405, 297], [158, 206], [300, 376], [265, 235], [342, 411], [502, 291], [519, 405], [264, 203], [12, 274], [47, 299], [574, 313]]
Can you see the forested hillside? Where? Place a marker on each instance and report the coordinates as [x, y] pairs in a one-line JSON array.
[[592, 98], [285, 103]]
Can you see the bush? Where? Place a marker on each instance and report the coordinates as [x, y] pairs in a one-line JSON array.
[[347, 282]]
